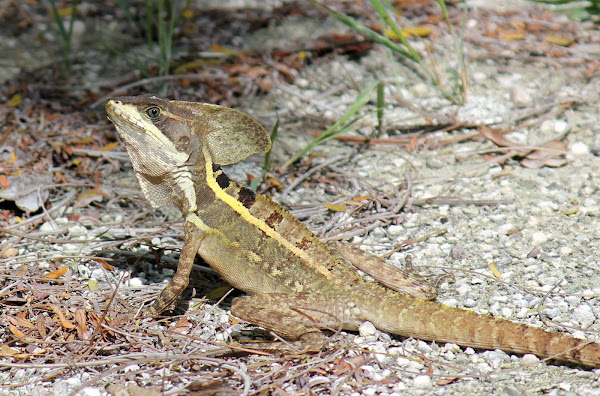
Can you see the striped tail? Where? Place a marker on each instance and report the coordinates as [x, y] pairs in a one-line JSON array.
[[431, 321]]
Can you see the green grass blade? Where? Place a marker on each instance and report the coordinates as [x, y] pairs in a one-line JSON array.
[[337, 129], [380, 105], [365, 31], [267, 164]]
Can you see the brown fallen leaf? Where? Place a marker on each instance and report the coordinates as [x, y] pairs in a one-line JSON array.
[[57, 273], [63, 322]]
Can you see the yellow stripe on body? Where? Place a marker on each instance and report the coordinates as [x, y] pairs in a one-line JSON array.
[[246, 215]]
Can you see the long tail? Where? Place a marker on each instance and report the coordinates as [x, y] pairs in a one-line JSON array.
[[426, 320]]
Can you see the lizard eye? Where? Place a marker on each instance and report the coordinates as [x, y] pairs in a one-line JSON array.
[[153, 113]]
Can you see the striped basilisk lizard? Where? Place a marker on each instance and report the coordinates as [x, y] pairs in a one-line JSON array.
[[296, 285]]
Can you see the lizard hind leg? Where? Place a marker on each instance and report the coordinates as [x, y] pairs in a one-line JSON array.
[[405, 281], [294, 316]]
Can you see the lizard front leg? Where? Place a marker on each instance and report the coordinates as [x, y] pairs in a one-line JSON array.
[[398, 279], [191, 244]]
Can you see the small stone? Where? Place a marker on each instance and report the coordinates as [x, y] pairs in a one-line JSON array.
[[422, 381], [529, 359], [367, 329], [135, 282], [506, 312], [584, 315], [565, 250], [565, 386], [458, 252], [470, 303], [89, 392], [579, 149], [504, 229], [463, 289], [435, 163], [539, 238], [48, 227], [519, 96], [9, 252], [77, 229], [479, 76]]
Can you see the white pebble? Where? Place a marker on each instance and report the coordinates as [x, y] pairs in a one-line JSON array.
[[48, 227], [77, 229], [422, 381], [367, 329], [530, 359], [519, 96], [539, 238], [135, 282], [579, 149], [584, 315]]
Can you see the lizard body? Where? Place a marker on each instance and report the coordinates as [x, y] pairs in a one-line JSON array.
[[296, 285]]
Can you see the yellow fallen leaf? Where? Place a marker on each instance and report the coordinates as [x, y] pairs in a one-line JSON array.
[[361, 198], [336, 207], [58, 273], [420, 31], [85, 140], [223, 50], [513, 36], [301, 55], [110, 146], [12, 158], [92, 192], [14, 101], [92, 284], [494, 270], [559, 40], [570, 212]]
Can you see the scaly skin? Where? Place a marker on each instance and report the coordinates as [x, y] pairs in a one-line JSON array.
[[297, 286]]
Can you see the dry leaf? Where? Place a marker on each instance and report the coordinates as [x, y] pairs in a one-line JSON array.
[[4, 181], [17, 321], [513, 36], [494, 269], [58, 273], [336, 207], [16, 332], [7, 351], [110, 146], [41, 326], [559, 40], [92, 284], [89, 196], [8, 252], [497, 137], [104, 264], [14, 101], [82, 329], [63, 322]]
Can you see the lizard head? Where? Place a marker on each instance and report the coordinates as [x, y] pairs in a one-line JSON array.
[[165, 141]]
